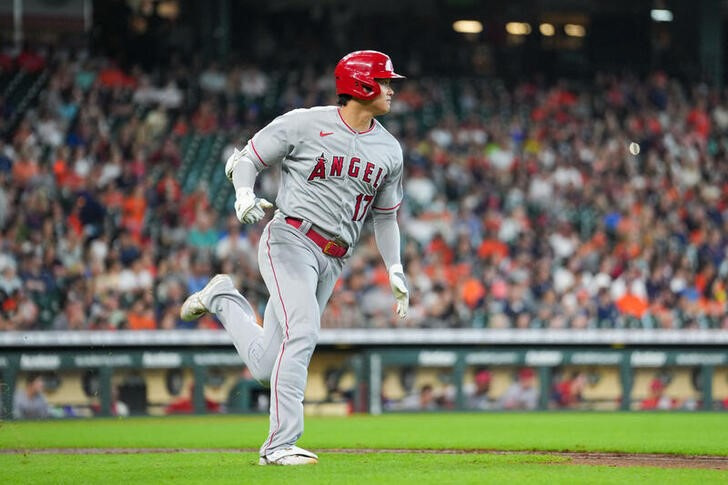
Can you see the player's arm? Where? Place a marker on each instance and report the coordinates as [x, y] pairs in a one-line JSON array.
[[268, 147], [242, 173], [386, 233]]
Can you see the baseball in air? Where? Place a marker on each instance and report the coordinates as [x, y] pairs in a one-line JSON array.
[[634, 148]]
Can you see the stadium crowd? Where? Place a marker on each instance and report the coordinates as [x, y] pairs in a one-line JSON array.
[[524, 207]]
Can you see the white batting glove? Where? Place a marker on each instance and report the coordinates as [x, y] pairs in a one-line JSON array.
[[249, 208], [399, 288]]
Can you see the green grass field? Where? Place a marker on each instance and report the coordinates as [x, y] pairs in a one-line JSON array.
[[684, 434]]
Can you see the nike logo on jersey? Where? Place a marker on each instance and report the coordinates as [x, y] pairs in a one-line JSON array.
[[325, 133]]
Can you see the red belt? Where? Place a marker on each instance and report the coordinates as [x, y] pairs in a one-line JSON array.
[[336, 248]]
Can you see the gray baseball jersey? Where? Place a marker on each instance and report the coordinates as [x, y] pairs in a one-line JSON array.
[[331, 174]]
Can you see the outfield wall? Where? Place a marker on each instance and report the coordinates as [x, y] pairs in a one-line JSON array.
[[371, 370]]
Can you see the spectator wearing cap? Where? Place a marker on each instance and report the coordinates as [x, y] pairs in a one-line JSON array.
[[657, 398], [522, 393], [477, 393]]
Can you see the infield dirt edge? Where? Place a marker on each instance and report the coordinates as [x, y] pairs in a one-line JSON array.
[[660, 460]]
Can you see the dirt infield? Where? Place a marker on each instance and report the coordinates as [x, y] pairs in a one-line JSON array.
[[575, 458]]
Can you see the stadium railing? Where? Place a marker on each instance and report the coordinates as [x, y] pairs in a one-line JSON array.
[[372, 356]]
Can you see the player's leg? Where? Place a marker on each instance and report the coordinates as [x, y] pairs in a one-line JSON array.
[[288, 454], [327, 280], [291, 273], [257, 346]]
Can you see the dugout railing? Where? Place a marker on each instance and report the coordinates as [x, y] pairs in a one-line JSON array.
[[366, 354], [545, 361]]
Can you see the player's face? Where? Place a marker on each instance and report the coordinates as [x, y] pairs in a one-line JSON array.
[[382, 103]]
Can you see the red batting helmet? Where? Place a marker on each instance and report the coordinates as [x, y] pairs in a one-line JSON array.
[[356, 73]]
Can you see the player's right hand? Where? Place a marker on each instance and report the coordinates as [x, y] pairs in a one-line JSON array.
[[248, 208], [398, 282]]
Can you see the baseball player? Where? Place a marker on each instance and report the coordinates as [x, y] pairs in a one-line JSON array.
[[338, 165]]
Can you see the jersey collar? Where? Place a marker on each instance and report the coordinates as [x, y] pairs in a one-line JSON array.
[[374, 124]]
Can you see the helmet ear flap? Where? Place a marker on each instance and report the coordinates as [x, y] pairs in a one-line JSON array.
[[365, 88]]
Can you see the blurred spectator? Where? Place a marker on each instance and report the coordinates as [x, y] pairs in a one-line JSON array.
[[235, 245], [522, 393], [477, 395], [141, 317], [185, 405], [567, 389], [73, 317], [118, 407], [423, 400], [524, 208], [657, 398], [29, 402], [203, 235]]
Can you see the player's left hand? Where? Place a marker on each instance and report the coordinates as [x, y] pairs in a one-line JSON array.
[[399, 288]]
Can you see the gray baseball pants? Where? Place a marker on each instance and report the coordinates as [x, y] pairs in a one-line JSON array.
[[300, 279]]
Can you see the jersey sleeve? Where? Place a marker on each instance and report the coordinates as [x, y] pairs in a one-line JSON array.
[[389, 196], [273, 143]]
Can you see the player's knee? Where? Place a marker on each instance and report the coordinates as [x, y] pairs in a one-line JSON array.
[[260, 375], [262, 372], [306, 335]]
